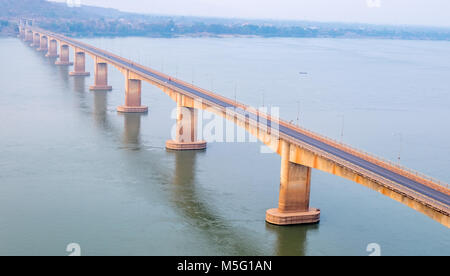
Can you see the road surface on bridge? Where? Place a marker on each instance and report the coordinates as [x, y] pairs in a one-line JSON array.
[[438, 197]]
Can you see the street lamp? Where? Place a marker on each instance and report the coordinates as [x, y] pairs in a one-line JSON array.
[[400, 145]]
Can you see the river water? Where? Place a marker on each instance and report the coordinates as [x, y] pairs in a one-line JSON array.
[[73, 170]]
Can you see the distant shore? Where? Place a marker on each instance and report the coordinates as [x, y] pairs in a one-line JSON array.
[[89, 21], [223, 36]]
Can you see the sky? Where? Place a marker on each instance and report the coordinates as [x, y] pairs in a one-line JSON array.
[[392, 12]]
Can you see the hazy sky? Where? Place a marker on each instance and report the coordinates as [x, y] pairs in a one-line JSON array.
[[418, 12]]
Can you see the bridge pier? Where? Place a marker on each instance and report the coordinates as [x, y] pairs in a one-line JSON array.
[[43, 45], [293, 203], [186, 129], [52, 49], [36, 40], [79, 68], [133, 89], [101, 77], [64, 58], [28, 36]]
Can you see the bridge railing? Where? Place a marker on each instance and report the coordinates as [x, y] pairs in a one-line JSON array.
[[414, 195], [389, 184], [382, 162], [412, 174]]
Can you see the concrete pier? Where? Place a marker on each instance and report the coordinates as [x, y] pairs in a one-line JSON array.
[[36, 40], [186, 132], [79, 65], [43, 45], [64, 58], [132, 97], [293, 203], [52, 49], [28, 36], [101, 77]]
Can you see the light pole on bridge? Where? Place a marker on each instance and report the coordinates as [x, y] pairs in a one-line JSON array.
[[400, 145], [342, 128], [235, 94]]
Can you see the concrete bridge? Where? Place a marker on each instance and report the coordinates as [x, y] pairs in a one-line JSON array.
[[301, 150]]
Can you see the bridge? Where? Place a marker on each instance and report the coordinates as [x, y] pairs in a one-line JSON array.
[[301, 150]]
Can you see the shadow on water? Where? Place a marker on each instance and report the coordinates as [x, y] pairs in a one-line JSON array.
[[227, 239], [100, 111], [291, 240], [79, 86], [132, 131], [64, 73], [183, 192]]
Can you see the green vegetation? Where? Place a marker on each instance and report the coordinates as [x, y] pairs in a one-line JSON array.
[[95, 21]]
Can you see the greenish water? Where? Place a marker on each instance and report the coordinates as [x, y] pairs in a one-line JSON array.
[[74, 170]]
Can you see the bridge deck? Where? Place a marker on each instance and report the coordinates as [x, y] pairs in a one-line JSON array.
[[441, 199]]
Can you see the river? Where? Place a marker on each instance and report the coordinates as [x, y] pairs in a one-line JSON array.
[[73, 170]]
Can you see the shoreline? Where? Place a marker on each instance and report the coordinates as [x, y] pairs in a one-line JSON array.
[[224, 36]]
